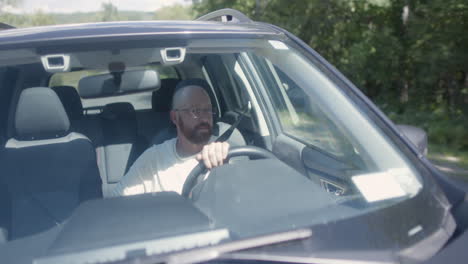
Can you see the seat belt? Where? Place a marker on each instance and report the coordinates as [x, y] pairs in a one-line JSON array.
[[29, 195], [227, 134], [41, 205]]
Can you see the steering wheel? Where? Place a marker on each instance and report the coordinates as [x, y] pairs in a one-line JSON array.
[[249, 151]]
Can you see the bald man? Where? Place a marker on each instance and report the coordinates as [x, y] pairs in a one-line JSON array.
[[165, 167]]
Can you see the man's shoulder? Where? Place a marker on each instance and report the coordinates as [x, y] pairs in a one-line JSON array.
[[164, 148], [166, 144]]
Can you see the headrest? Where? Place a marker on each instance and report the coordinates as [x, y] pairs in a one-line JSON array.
[[40, 115], [71, 101], [119, 111], [162, 98]]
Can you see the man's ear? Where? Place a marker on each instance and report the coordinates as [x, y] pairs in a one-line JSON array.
[[173, 115]]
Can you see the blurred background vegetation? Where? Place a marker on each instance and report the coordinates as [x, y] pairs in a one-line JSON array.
[[409, 57]]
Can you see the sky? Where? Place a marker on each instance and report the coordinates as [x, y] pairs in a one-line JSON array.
[[70, 6]]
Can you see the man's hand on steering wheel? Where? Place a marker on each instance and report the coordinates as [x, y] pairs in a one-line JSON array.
[[213, 154], [249, 151]]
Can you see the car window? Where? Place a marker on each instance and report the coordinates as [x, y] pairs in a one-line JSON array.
[[300, 117], [220, 76], [341, 143], [140, 101], [71, 78], [224, 70]]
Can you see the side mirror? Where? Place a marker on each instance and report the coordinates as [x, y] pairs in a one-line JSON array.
[[416, 135]]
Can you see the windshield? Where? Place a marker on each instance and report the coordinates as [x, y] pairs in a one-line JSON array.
[[96, 173], [337, 136]]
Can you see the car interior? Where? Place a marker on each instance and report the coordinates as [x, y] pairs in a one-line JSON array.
[[73, 120], [92, 130]]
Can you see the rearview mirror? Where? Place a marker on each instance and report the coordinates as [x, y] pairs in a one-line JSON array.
[[416, 135], [117, 83]]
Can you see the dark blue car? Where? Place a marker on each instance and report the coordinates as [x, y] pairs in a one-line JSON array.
[[317, 173]]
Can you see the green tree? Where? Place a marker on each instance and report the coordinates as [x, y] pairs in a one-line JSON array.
[[4, 3], [40, 18], [109, 12], [174, 12], [438, 52], [7, 18], [408, 56]]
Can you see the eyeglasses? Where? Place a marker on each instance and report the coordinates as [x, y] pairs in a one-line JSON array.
[[198, 112]]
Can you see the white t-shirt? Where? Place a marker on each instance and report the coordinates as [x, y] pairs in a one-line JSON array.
[[158, 169]]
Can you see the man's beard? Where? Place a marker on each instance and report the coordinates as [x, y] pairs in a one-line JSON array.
[[199, 135]]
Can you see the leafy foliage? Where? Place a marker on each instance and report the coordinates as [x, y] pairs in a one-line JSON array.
[[109, 13], [408, 56], [9, 2], [174, 12]]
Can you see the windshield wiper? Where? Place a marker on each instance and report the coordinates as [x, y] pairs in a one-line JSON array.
[[298, 259], [218, 251]]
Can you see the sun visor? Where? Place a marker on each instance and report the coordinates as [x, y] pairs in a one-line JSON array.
[[118, 83]]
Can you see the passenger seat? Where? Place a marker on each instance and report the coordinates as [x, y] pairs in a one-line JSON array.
[[47, 170]]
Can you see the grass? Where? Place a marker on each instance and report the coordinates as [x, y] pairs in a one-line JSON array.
[[447, 134], [448, 160], [448, 155]]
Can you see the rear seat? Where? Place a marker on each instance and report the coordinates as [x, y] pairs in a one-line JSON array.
[[113, 133], [71, 101], [121, 143], [152, 121], [162, 104], [89, 126]]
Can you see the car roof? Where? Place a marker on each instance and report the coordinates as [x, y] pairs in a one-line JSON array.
[[129, 30]]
